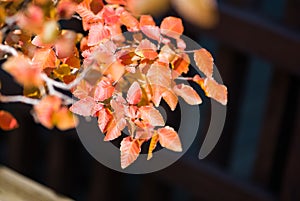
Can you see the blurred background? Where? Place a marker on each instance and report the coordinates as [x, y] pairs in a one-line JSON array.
[[256, 46]]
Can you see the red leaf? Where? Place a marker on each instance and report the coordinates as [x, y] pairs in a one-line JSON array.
[[188, 94], [84, 107], [134, 94], [172, 27], [119, 107], [104, 116], [151, 115], [104, 90], [120, 2], [7, 121], [204, 61], [215, 90], [97, 33], [169, 139], [45, 58], [109, 15], [88, 17], [130, 150], [152, 145]]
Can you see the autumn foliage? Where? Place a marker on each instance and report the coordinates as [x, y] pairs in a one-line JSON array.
[[120, 79]]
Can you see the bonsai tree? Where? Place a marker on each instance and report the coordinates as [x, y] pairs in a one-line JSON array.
[[118, 70]]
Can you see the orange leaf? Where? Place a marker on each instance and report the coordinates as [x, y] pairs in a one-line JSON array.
[[152, 32], [204, 61], [215, 90], [171, 99], [152, 145], [130, 150], [37, 41], [66, 9], [45, 109], [167, 94], [146, 49], [114, 129], [7, 121], [129, 21], [23, 71], [172, 27], [146, 20], [188, 94], [156, 93], [198, 80], [169, 139], [134, 94], [32, 19], [104, 90], [115, 71], [148, 27], [104, 116], [151, 115], [63, 119], [181, 64], [159, 75], [82, 90], [65, 45], [45, 58]]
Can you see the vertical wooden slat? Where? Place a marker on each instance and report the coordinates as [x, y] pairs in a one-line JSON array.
[[62, 161], [229, 64], [291, 176], [154, 189], [271, 128], [292, 14], [105, 184]]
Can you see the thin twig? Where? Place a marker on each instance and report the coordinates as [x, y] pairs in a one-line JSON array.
[[66, 99], [8, 49], [63, 85], [18, 98]]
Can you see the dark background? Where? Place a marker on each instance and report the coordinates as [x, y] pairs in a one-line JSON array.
[[256, 46]]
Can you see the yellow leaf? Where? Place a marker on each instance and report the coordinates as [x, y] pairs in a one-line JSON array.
[[31, 92], [200, 12], [152, 145]]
